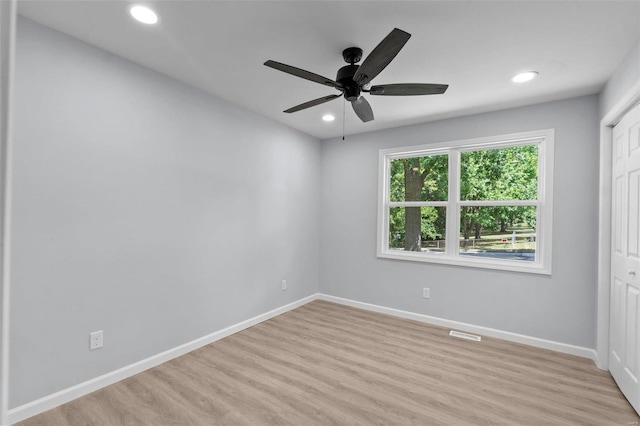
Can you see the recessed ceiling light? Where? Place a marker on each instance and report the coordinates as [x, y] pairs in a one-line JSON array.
[[525, 76], [328, 117], [143, 14]]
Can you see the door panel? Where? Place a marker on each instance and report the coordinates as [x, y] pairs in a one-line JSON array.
[[619, 150], [634, 210], [631, 338], [634, 139], [618, 196], [616, 319]]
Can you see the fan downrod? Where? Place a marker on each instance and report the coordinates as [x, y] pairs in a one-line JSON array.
[[351, 55]]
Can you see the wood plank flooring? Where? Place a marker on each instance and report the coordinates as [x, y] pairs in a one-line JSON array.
[[328, 364]]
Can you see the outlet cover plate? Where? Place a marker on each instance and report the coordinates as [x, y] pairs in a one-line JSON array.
[[95, 340]]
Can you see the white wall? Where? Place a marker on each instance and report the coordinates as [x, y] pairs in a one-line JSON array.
[[146, 209], [561, 307]]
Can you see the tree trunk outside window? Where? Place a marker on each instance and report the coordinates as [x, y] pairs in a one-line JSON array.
[[414, 181]]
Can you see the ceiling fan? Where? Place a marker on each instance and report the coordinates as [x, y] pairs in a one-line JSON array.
[[352, 79]]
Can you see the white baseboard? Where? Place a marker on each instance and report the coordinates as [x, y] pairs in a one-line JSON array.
[[470, 328], [48, 402]]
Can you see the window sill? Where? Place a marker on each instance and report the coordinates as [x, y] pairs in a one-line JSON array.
[[471, 262]]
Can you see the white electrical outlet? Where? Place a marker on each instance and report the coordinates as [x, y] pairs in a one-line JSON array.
[[95, 340], [426, 293], [284, 285]]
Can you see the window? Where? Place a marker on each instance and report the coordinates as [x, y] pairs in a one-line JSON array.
[[482, 202]]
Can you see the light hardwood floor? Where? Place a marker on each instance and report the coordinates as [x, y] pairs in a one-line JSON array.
[[327, 364]]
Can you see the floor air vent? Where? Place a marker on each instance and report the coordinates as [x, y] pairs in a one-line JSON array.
[[465, 336]]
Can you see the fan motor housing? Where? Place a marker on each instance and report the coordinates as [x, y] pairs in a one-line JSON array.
[[345, 77], [345, 74]]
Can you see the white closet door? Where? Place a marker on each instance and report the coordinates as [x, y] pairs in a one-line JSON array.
[[625, 257]]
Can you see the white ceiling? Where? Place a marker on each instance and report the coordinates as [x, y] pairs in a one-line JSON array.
[[474, 46]]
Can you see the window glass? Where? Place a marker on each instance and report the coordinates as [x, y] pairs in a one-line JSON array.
[[504, 232], [419, 229], [499, 174], [420, 178]]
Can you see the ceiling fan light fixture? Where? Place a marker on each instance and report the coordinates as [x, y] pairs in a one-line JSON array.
[[328, 117], [524, 77], [143, 14]]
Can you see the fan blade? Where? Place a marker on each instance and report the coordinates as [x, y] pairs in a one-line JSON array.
[[303, 74], [362, 109], [408, 89], [313, 103], [381, 56]]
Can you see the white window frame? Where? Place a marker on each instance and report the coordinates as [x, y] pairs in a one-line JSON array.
[[544, 204]]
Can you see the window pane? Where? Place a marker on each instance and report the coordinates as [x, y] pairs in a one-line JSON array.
[[420, 178], [500, 174], [498, 232], [417, 228]]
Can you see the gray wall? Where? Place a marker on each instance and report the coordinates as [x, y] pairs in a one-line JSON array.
[[627, 74], [144, 208], [561, 307]]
